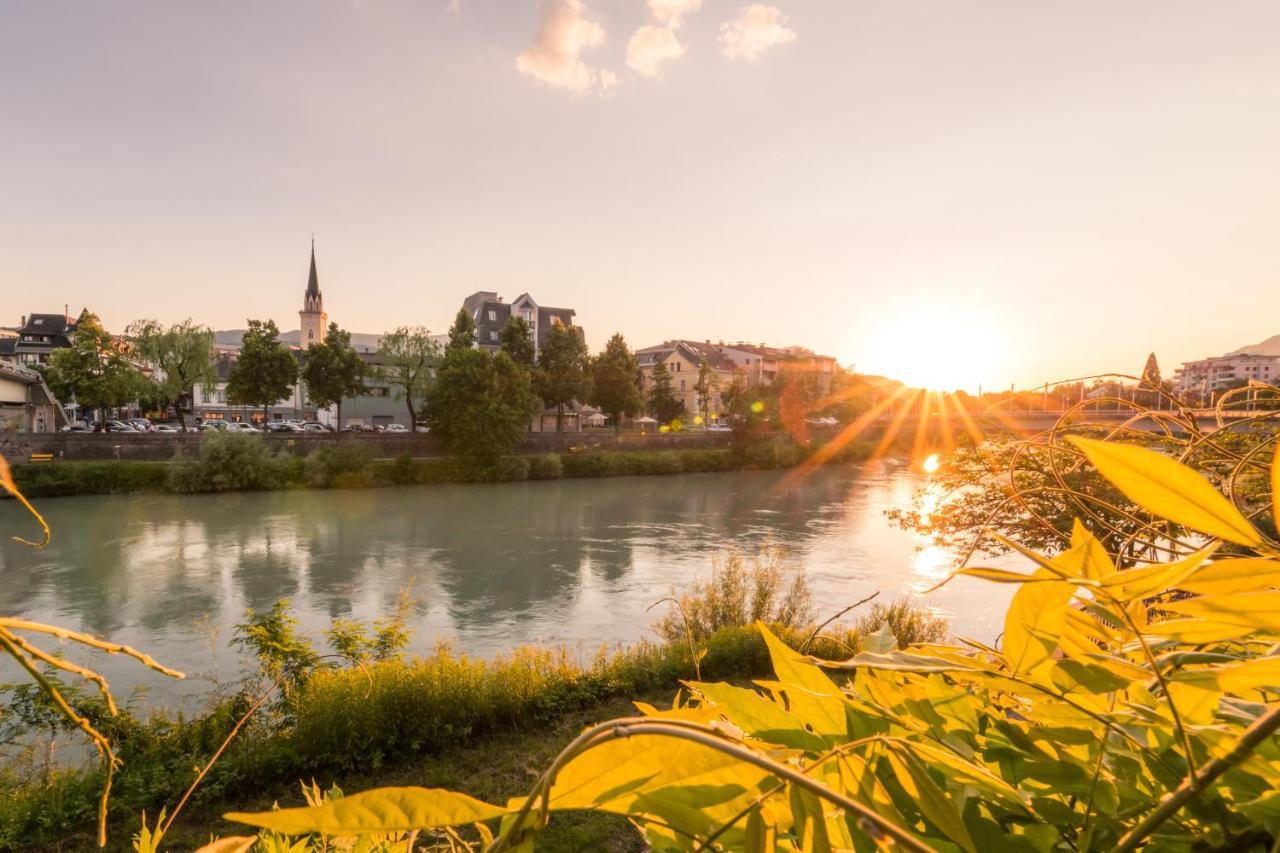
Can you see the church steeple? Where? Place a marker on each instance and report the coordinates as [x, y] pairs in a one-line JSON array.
[[312, 319]]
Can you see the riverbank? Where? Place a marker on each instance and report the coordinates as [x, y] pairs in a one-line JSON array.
[[431, 720], [244, 463]]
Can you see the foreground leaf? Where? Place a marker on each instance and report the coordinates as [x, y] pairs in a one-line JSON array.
[[379, 810], [1168, 489]]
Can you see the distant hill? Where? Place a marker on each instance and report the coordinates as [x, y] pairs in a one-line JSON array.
[[362, 341], [1271, 346]]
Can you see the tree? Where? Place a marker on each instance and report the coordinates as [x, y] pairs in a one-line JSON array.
[[562, 369], [265, 371], [462, 334], [663, 402], [182, 355], [517, 341], [480, 404], [1151, 381], [613, 381], [705, 388], [407, 360], [333, 370], [94, 370]]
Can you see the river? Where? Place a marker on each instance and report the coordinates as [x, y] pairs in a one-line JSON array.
[[573, 562]]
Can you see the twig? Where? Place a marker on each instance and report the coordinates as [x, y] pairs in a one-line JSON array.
[[805, 645]]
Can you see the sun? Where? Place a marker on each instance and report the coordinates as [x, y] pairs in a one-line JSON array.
[[935, 347]]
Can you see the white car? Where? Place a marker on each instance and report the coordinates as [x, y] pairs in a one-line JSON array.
[[237, 426], [397, 428], [164, 428]]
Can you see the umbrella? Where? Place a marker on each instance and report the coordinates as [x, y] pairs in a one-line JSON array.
[[645, 420]]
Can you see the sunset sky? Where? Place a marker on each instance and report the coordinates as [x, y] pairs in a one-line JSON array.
[[1024, 190]]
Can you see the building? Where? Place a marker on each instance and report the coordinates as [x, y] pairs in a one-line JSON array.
[[8, 346], [761, 365], [26, 403], [491, 314], [683, 360], [39, 335], [313, 323], [1212, 375]]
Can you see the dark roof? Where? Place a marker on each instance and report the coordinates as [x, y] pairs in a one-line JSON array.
[[479, 304], [313, 281], [48, 324], [8, 346]]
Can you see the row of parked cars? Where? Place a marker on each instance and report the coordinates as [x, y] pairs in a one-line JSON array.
[[144, 425]]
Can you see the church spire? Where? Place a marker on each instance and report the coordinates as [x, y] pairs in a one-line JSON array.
[[312, 317], [313, 282]]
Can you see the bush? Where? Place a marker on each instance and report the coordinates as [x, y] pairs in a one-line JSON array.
[[229, 461], [545, 466], [738, 595], [59, 479], [344, 465]]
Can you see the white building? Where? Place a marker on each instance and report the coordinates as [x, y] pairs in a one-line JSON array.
[[1211, 375]]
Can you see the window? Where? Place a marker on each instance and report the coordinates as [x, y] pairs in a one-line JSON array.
[[681, 384], [493, 316], [493, 334]]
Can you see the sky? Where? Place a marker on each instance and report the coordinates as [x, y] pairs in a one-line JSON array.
[[1009, 192]]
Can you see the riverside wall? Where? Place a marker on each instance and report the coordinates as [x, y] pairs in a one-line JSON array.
[[163, 447]]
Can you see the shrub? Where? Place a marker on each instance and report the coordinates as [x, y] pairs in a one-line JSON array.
[[909, 623], [344, 465], [229, 461], [545, 466], [739, 594]]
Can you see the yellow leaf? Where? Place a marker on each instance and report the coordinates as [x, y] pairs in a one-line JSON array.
[[1034, 622], [378, 810], [1151, 580], [1198, 630], [1168, 489], [1275, 486], [1095, 562], [810, 693], [1255, 674], [1257, 610], [1247, 574]]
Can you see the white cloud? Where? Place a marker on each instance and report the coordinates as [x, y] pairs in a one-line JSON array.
[[757, 29], [650, 48], [671, 13], [555, 57]]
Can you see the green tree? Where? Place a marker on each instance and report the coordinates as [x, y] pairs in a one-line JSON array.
[[562, 369], [462, 334], [265, 371], [706, 386], [480, 404], [613, 381], [663, 402], [1151, 371], [407, 359], [182, 355], [94, 371], [517, 341], [333, 370]]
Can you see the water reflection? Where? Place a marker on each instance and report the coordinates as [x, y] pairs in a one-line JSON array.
[[573, 561]]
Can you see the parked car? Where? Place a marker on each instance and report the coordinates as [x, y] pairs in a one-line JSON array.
[[397, 428], [720, 428], [315, 426], [213, 426], [421, 428], [140, 424], [241, 426], [283, 426], [112, 426], [170, 428], [77, 427]]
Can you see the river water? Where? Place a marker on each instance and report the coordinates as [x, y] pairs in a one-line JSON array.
[[572, 562]]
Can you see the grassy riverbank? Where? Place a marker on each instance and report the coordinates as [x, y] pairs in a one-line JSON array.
[[415, 721], [239, 463]]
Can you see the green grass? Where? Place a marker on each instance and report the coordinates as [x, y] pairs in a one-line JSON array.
[[240, 463]]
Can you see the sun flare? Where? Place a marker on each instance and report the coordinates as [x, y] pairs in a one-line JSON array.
[[937, 348]]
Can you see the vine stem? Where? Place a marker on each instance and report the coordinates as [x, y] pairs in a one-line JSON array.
[[805, 645], [708, 737], [1262, 728]]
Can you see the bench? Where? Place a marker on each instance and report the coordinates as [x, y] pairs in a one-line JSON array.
[[41, 457]]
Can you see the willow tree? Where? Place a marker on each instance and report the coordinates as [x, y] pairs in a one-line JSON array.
[[182, 357]]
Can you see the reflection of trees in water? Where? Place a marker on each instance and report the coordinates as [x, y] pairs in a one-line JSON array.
[[485, 550]]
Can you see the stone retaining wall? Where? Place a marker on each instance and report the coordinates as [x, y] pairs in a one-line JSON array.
[[161, 447]]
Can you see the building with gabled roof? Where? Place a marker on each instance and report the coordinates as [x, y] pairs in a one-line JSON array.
[[39, 335], [491, 313]]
